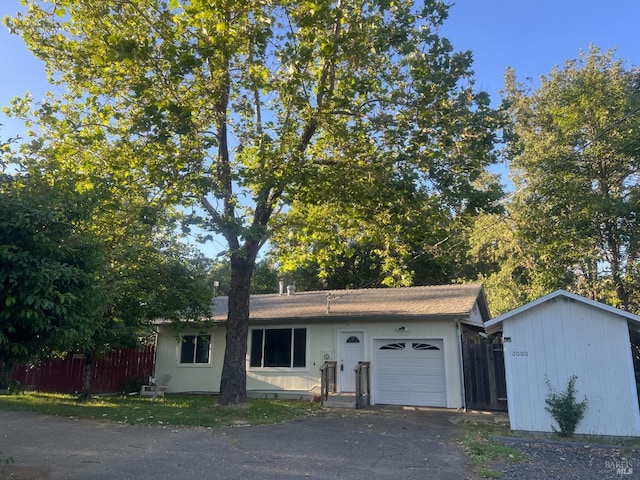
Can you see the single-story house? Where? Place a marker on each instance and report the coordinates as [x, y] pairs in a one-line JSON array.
[[412, 337], [561, 335]]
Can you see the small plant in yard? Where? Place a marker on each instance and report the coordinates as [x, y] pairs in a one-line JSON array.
[[564, 408], [9, 387], [6, 460]]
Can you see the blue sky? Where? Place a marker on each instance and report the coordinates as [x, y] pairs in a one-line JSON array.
[[534, 36], [530, 35]]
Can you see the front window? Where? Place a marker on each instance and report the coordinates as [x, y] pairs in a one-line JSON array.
[[195, 349], [278, 347]]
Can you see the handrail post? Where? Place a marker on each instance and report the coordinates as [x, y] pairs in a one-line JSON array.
[[363, 393], [327, 380]]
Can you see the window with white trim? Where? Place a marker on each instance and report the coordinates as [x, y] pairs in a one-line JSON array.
[[195, 349], [278, 347]]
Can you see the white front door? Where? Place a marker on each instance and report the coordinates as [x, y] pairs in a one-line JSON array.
[[351, 352]]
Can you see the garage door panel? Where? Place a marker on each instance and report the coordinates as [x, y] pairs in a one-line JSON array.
[[434, 354], [391, 363], [410, 372], [394, 378], [425, 366], [428, 373], [428, 400], [433, 382]]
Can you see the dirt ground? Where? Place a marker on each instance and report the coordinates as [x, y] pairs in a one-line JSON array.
[[12, 472]]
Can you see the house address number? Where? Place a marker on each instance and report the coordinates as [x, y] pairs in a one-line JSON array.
[[520, 353]]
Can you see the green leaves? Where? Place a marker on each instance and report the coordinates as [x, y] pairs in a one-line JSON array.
[[276, 96], [577, 178], [564, 408], [49, 274]]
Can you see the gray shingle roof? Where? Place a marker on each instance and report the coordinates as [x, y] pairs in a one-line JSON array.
[[443, 301]]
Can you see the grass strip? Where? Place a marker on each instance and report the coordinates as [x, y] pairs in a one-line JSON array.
[[483, 451], [187, 410]]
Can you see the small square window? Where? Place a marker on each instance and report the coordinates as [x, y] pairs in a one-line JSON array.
[[195, 349]]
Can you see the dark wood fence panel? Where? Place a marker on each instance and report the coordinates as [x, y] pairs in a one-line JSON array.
[[64, 375], [112, 372], [484, 378]]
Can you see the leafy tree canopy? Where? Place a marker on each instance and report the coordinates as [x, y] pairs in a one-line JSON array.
[[413, 239], [248, 107], [574, 153], [86, 267], [50, 288]]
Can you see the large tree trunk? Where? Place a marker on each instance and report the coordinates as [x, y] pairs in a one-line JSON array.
[[616, 269], [233, 384]]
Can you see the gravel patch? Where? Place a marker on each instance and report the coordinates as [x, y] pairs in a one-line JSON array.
[[568, 461]]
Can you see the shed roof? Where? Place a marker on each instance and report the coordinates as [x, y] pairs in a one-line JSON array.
[[456, 301], [495, 325]]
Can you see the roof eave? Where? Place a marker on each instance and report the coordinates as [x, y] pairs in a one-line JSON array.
[[366, 317]]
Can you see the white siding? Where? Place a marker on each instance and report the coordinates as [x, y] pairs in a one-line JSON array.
[[321, 339], [189, 378], [560, 338]]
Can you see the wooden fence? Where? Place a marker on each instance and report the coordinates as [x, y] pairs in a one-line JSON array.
[[109, 374], [484, 378]]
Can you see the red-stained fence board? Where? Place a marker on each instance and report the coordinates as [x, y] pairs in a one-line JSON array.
[[64, 375]]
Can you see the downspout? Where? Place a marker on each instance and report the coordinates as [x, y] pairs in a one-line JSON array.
[[462, 389]]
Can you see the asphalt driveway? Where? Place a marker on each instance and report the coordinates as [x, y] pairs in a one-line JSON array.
[[371, 444]]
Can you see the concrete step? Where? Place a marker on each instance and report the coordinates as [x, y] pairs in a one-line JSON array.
[[340, 400]]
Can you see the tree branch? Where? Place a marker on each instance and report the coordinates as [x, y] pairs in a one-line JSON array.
[[326, 86]]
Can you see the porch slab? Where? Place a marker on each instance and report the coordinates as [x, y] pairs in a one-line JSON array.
[[340, 400]]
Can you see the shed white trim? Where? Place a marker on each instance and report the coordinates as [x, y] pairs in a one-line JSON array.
[[495, 324]]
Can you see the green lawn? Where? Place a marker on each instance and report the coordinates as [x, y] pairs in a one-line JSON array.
[[192, 410]]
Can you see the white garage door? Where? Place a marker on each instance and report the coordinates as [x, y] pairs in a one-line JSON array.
[[410, 372]]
